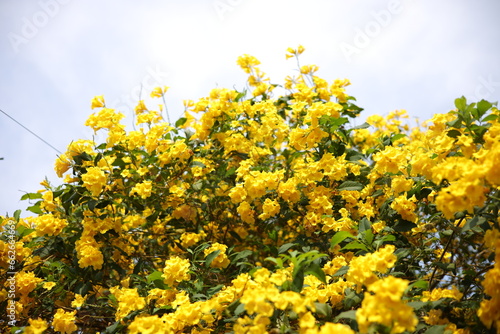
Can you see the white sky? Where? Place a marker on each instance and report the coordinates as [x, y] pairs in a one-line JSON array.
[[55, 55]]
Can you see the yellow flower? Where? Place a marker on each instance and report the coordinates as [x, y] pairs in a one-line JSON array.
[[238, 194], [140, 107], [329, 327], [247, 62], [270, 208], [190, 239], [36, 326], [288, 190], [105, 119], [148, 325], [307, 321], [88, 253], [142, 189], [246, 213], [385, 307], [61, 165], [391, 160], [78, 301], [49, 285], [161, 297], [294, 52], [362, 268], [406, 207], [64, 322], [257, 300], [94, 180], [97, 102], [128, 301], [49, 225], [159, 91], [488, 310], [176, 270], [221, 260], [26, 282], [434, 317]]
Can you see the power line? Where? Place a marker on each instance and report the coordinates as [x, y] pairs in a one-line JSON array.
[[34, 134]]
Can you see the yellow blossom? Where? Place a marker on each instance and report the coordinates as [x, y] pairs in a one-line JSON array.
[[94, 180], [64, 322], [385, 307], [97, 102], [221, 260], [36, 326], [142, 189], [176, 270], [128, 301]]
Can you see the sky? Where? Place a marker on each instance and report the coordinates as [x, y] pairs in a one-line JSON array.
[[56, 55]]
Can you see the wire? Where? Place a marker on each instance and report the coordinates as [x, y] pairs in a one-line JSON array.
[[34, 134]]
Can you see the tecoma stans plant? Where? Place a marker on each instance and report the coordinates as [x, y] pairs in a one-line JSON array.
[[263, 210]]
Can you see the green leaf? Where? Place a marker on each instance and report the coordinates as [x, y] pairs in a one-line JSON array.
[[230, 171], [453, 133], [446, 266], [423, 193], [368, 236], [198, 164], [197, 185], [420, 284], [404, 226], [323, 309], [346, 315], [277, 261], [364, 225], [350, 185], [214, 290], [338, 121], [239, 96], [298, 281], [397, 137], [483, 106], [488, 118], [241, 255], [239, 309], [315, 270], [17, 214], [82, 288], [362, 126], [384, 239], [114, 328], [23, 231], [461, 103], [35, 209], [155, 275], [285, 247], [31, 196], [342, 271], [339, 237], [210, 257], [417, 305], [471, 223], [355, 245], [180, 122], [438, 329]]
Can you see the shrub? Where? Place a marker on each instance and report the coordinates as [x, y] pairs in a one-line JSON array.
[[264, 214]]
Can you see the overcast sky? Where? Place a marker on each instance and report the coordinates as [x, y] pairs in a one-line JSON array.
[[55, 55]]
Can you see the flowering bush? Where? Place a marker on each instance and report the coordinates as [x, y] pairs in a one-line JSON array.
[[264, 214]]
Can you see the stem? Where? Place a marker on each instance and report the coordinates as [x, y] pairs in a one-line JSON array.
[[166, 109], [442, 255]]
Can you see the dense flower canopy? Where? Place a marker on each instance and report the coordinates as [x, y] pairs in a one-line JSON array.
[[259, 212]]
